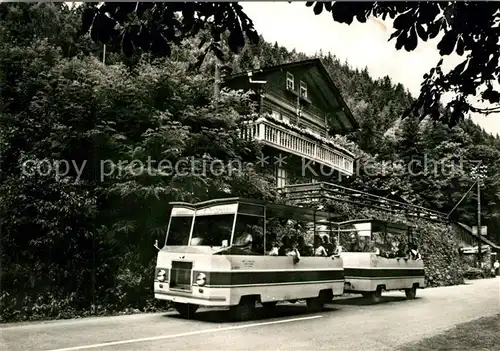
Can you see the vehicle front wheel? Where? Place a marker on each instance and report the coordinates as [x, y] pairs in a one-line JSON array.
[[411, 293], [186, 310]]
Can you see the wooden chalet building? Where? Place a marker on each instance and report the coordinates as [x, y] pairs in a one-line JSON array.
[[299, 107]]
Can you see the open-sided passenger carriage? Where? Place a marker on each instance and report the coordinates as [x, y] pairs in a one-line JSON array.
[[207, 262], [371, 265]]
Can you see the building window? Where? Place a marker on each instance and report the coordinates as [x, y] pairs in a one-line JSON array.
[[290, 81], [303, 90], [281, 177]]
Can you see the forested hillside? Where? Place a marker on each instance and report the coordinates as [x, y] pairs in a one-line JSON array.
[[77, 233]]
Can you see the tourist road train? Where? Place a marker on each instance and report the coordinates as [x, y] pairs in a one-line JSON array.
[[225, 253]]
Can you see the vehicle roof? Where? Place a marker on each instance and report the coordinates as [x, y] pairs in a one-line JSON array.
[[279, 210]]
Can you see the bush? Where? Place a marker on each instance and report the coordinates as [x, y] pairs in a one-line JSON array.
[[51, 307]]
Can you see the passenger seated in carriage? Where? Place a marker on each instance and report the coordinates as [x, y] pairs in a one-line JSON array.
[[329, 247], [414, 254], [402, 250], [274, 248], [354, 244], [337, 249], [393, 252], [289, 248], [304, 249], [319, 249], [286, 246], [371, 247]]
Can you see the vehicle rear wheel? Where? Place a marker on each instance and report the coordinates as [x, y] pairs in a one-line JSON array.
[[411, 293], [269, 305], [376, 296], [315, 304], [244, 311], [186, 310]]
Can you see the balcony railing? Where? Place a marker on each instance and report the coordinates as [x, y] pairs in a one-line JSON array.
[[298, 144]]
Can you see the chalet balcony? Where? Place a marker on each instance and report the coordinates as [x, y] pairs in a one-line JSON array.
[[299, 144]]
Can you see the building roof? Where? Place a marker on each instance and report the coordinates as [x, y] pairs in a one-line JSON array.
[[483, 239], [310, 62]]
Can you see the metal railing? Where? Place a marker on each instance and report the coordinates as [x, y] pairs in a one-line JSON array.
[[314, 192], [298, 144]]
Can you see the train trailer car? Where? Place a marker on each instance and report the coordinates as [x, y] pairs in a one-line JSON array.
[[380, 265]]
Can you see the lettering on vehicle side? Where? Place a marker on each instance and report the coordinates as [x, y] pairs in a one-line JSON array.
[[235, 267], [248, 263]]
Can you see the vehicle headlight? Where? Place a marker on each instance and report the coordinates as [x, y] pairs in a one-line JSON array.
[[161, 275], [201, 279]]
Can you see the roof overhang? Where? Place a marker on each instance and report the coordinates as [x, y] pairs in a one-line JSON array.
[[344, 109]]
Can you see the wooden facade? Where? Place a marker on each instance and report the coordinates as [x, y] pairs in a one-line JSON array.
[[299, 107]]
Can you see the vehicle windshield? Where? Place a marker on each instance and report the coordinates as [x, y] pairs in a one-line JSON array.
[[212, 230], [179, 230]]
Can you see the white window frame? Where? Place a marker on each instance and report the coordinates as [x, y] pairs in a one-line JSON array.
[[281, 177], [303, 89], [290, 81]]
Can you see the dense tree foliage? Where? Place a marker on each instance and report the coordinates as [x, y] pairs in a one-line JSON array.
[[88, 230], [469, 28], [80, 241]]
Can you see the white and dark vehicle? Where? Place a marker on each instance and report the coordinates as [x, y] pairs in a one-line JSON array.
[[377, 259], [222, 253]]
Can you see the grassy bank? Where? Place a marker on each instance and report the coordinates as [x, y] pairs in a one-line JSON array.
[[480, 334]]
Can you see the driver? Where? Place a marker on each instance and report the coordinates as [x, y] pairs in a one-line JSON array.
[[243, 240]]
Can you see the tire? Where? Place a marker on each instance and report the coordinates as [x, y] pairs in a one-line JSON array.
[[315, 304], [269, 305], [186, 310], [365, 295], [411, 293], [376, 296], [244, 311]]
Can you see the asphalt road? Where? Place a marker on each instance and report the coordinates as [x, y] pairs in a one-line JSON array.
[[345, 324]]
